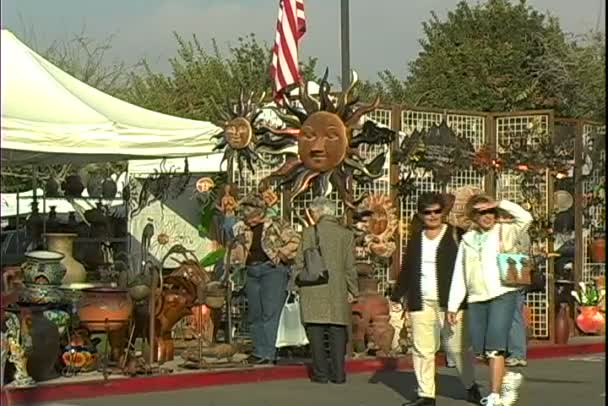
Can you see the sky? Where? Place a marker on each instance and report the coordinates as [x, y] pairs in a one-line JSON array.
[[384, 33]]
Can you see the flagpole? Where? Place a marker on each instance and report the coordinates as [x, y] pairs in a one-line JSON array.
[[345, 42]]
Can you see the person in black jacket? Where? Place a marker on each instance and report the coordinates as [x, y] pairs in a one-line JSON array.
[[424, 282]]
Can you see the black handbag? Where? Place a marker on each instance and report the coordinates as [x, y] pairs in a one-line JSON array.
[[315, 272]]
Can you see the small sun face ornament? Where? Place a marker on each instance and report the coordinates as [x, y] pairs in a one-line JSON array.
[[379, 222], [204, 185], [327, 151]]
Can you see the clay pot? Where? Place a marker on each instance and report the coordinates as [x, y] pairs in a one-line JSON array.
[[72, 186], [94, 186], [109, 189], [51, 188], [369, 306], [100, 304], [45, 346], [80, 353], [590, 320], [382, 334], [562, 324], [64, 243], [598, 250], [44, 268]]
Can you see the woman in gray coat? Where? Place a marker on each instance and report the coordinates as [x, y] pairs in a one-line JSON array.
[[326, 309]]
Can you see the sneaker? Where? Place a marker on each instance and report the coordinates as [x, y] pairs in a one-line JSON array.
[[493, 399], [510, 388], [516, 362], [473, 394]]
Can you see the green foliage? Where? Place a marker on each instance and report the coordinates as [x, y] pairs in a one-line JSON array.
[[202, 80], [502, 56], [213, 257]]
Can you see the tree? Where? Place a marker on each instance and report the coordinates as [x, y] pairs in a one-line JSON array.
[[499, 56], [202, 80]]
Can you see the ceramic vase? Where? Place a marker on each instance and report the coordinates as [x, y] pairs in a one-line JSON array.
[[64, 243], [104, 309], [109, 189], [44, 268], [45, 350], [598, 250], [72, 186], [590, 320], [562, 324]]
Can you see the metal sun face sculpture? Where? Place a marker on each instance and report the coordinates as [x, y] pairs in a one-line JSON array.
[[243, 141], [378, 223], [327, 152]]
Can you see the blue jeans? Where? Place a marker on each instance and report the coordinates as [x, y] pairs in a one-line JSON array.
[[266, 293], [490, 323], [517, 334]]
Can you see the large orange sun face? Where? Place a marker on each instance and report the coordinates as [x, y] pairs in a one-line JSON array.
[[323, 143], [238, 133]]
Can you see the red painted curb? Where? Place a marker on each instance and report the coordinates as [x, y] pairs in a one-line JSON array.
[[162, 383]]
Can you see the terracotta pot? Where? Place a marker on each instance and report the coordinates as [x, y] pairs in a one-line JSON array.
[[100, 304], [598, 250], [72, 186], [590, 320], [109, 189], [382, 334], [562, 324], [64, 243], [51, 188], [45, 347], [44, 267], [369, 305], [94, 186]]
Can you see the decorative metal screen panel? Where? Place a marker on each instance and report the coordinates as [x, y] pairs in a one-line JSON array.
[[381, 185], [593, 215], [469, 125], [509, 187]]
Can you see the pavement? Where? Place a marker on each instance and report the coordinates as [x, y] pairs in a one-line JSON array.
[[577, 380]]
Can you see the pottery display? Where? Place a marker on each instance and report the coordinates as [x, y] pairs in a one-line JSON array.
[[45, 340], [369, 306], [562, 324], [32, 293], [51, 188], [109, 189], [94, 186], [80, 353], [590, 320], [104, 309], [72, 186], [44, 267], [598, 250], [35, 227], [381, 332], [64, 243]]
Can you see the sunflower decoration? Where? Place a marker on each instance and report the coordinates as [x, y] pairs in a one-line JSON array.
[[243, 141], [327, 154]]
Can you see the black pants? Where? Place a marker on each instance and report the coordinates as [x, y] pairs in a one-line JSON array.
[[327, 360]]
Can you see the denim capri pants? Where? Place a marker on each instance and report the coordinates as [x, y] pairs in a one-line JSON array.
[[490, 323]]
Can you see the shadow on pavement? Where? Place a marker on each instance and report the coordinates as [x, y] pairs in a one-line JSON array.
[[404, 383]]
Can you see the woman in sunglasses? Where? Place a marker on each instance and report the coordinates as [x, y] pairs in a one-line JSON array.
[[425, 281], [491, 305]]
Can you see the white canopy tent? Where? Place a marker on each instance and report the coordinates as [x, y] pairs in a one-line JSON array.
[[51, 117]]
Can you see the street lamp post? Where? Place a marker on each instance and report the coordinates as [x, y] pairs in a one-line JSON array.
[[345, 42]]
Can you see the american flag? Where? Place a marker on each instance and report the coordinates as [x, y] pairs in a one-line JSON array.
[[291, 26]]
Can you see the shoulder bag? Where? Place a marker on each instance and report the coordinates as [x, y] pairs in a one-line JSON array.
[[315, 271]]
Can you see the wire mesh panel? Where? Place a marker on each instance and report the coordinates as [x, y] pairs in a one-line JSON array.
[[471, 126], [381, 185], [509, 187], [595, 210]]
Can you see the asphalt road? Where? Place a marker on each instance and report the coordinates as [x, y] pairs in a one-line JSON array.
[[567, 381]]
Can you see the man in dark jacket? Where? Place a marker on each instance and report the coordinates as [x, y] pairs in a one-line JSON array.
[[425, 281]]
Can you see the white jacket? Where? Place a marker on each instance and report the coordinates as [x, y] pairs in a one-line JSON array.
[[476, 274]]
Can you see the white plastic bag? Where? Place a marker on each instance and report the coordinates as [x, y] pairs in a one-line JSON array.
[[291, 332]]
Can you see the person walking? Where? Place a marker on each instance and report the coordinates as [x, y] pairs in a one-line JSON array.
[[326, 311], [265, 246], [491, 304], [424, 281]]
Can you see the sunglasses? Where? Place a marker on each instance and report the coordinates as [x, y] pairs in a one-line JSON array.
[[487, 211], [429, 212]]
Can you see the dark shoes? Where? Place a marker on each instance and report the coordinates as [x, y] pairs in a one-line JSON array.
[[473, 395], [420, 402], [253, 360], [325, 380]]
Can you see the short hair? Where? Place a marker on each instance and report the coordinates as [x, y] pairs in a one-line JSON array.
[[323, 206], [428, 199], [469, 208]]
